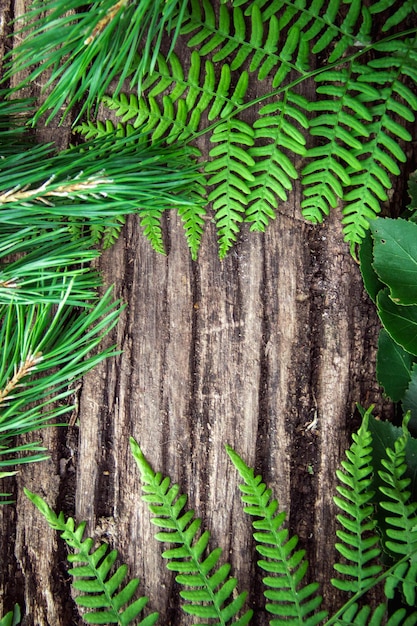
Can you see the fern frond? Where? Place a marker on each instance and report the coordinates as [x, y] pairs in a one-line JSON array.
[[362, 616], [359, 541], [105, 592], [289, 598], [339, 123], [193, 221], [404, 10], [402, 522], [93, 130], [150, 221], [379, 155], [107, 235], [171, 105], [210, 593], [230, 37], [230, 175], [278, 39], [274, 171]]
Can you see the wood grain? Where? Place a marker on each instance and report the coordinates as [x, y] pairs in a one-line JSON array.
[[267, 351]]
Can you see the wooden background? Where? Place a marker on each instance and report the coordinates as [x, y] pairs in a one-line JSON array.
[[247, 351]]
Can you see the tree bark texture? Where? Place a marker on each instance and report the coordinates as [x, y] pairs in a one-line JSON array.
[[268, 351]]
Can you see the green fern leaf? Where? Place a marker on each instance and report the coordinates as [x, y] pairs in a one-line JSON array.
[[107, 234], [402, 521], [355, 616], [273, 169], [12, 618], [192, 217], [359, 542], [91, 130], [261, 44], [104, 590], [152, 229], [378, 157], [286, 567], [230, 175], [395, 18], [339, 124], [173, 105], [270, 54], [209, 593], [126, 107]]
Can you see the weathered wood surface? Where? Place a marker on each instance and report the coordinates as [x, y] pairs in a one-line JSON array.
[[248, 351]]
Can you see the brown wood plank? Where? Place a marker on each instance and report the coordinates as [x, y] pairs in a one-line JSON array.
[[249, 351]]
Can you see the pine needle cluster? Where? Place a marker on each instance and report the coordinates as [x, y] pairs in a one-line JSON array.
[[54, 206]]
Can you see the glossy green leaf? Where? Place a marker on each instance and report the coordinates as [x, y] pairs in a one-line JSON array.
[[393, 367], [395, 257], [370, 278], [399, 321]]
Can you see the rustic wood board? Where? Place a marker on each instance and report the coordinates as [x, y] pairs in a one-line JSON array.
[[247, 351]]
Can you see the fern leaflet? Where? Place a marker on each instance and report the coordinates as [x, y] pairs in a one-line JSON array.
[[363, 616], [209, 587], [378, 157], [279, 38], [359, 542], [273, 170], [405, 9], [12, 618], [104, 592], [285, 566], [230, 176], [151, 224], [177, 116], [325, 177], [192, 217], [402, 521]]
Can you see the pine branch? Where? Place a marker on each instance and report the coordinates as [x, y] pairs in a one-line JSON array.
[[289, 598], [105, 593], [115, 175], [44, 257], [45, 348], [89, 48], [209, 592]]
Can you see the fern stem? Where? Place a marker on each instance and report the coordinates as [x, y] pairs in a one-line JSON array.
[[240, 108], [359, 594]]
